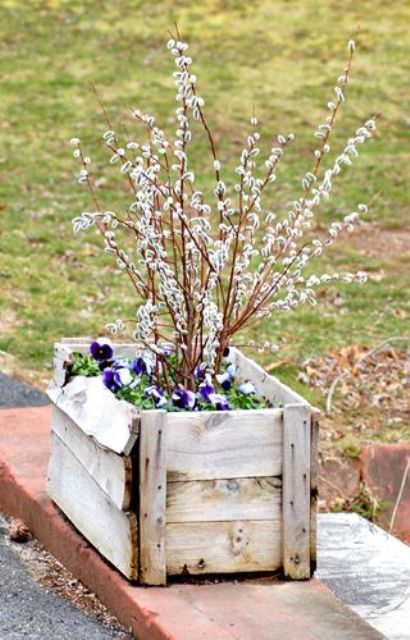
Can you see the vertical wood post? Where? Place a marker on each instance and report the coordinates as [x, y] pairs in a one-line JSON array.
[[314, 481], [152, 488], [61, 356], [296, 491]]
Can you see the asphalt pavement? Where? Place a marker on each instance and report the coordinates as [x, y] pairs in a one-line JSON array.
[[14, 393], [29, 611]]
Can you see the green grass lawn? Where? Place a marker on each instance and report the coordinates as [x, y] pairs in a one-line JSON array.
[[284, 56]]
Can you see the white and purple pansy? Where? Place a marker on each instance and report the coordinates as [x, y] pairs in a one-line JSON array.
[[206, 388], [157, 395], [122, 377], [199, 371], [219, 401], [102, 349], [184, 399], [225, 379], [115, 379], [247, 388]]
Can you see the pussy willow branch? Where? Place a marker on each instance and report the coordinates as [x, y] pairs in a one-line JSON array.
[[282, 250], [199, 267]]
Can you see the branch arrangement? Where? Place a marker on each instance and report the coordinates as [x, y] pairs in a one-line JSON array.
[[206, 268]]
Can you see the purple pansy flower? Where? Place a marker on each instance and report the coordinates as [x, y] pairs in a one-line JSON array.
[[247, 388], [102, 349], [184, 399], [206, 388], [141, 366], [108, 379], [157, 395], [219, 401]]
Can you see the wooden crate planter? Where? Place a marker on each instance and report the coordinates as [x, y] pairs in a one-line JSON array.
[[162, 494]]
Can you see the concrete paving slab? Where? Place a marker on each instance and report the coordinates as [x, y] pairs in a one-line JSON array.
[[263, 609], [368, 569]]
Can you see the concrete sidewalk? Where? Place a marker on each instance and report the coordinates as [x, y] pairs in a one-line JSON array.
[[368, 569], [262, 609]]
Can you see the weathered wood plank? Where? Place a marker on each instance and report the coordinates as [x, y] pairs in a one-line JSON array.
[[224, 547], [222, 445], [221, 500], [112, 472], [111, 531], [87, 401], [296, 491], [268, 386], [153, 481], [314, 482], [82, 345]]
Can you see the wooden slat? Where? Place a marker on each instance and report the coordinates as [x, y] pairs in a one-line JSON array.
[[112, 472], [111, 531], [268, 386], [82, 345], [314, 481], [224, 547], [152, 464], [221, 445], [296, 491], [220, 500], [87, 401]]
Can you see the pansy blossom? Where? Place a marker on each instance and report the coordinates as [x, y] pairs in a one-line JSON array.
[[184, 399], [101, 349]]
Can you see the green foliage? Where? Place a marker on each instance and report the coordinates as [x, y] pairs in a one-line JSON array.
[[136, 396], [365, 503], [238, 400], [83, 365]]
